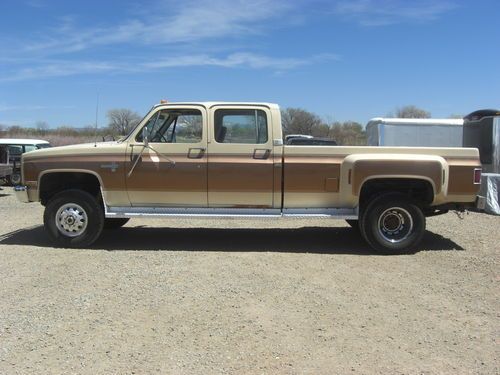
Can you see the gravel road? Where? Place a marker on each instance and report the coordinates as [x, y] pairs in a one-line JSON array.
[[247, 297]]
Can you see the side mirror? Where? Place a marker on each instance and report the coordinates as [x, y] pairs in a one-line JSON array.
[[145, 136]]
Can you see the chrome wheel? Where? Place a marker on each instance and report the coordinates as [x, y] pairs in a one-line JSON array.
[[395, 224], [71, 220]]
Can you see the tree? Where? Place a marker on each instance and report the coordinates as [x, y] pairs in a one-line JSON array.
[[411, 111], [299, 121], [348, 133], [122, 120]]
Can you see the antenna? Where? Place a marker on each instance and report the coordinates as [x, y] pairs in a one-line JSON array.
[[96, 117]]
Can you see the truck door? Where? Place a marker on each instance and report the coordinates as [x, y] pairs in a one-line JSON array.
[[172, 170], [240, 157]]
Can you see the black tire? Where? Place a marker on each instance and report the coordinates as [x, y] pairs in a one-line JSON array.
[[15, 179], [80, 212], [393, 224], [115, 223]]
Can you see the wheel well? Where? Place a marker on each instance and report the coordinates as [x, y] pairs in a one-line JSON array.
[[53, 183], [419, 190]]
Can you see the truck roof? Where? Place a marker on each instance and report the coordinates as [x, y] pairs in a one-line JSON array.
[[212, 104], [21, 141]]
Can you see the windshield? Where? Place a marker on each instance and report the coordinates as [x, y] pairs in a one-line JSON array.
[[135, 127]]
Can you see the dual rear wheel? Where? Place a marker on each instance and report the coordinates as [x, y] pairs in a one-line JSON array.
[[391, 224]]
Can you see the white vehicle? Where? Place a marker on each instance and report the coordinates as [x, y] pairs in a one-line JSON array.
[[415, 132], [16, 147]]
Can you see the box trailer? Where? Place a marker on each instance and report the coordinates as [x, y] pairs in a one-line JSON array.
[[414, 132]]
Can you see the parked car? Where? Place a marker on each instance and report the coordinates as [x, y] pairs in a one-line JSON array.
[[16, 147], [5, 167]]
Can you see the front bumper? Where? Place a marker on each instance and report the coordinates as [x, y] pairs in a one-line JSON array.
[[22, 193]]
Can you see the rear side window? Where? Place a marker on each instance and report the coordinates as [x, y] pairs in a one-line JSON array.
[[240, 126]]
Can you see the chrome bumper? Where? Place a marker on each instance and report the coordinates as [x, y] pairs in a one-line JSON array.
[[22, 193]]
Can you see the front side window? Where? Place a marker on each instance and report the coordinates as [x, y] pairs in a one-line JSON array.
[[15, 150], [174, 126], [240, 126], [28, 148]]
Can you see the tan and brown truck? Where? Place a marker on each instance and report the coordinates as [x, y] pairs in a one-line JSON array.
[[217, 159]]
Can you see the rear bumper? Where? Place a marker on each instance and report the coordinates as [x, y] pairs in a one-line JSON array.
[[22, 193]]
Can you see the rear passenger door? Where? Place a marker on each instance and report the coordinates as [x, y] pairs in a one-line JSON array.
[[240, 157]]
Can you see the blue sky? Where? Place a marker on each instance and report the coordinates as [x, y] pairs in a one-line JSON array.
[[341, 59]]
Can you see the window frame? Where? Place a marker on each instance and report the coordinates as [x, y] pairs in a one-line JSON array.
[[257, 113], [156, 114]]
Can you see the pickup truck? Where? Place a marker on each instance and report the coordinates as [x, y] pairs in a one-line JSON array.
[[216, 159]]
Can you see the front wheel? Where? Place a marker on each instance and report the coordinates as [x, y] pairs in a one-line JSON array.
[[393, 224], [73, 218]]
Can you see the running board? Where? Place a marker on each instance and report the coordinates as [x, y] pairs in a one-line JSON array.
[[241, 213]]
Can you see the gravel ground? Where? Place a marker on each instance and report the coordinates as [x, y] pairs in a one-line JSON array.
[[247, 297]]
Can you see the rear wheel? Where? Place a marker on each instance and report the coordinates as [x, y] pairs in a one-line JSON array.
[[115, 223], [73, 218], [393, 224]]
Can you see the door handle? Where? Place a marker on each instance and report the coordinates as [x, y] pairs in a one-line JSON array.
[[196, 153], [261, 153]]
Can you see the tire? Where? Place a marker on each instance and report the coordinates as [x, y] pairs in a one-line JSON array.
[[15, 179], [393, 224], [73, 218], [115, 223]]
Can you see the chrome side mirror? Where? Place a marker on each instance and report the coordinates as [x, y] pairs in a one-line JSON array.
[[145, 136]]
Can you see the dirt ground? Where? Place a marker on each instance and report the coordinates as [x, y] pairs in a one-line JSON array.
[[247, 297]]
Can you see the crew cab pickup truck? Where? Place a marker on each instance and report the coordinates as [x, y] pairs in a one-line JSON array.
[[228, 160]]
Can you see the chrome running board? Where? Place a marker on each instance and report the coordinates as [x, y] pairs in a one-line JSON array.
[[241, 213]]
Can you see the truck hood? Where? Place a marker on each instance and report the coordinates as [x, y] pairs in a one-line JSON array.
[[79, 149]]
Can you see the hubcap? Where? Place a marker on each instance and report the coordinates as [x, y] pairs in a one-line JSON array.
[[395, 224], [71, 220]]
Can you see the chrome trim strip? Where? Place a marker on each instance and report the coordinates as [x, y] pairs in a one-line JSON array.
[[155, 212], [334, 213]]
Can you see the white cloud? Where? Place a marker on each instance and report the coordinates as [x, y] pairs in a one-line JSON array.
[[186, 21], [64, 68], [387, 12], [186, 30], [58, 69], [241, 59]]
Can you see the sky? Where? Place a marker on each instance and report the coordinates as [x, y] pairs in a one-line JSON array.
[[343, 60]]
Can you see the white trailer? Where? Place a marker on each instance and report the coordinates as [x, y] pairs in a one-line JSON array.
[[415, 132]]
